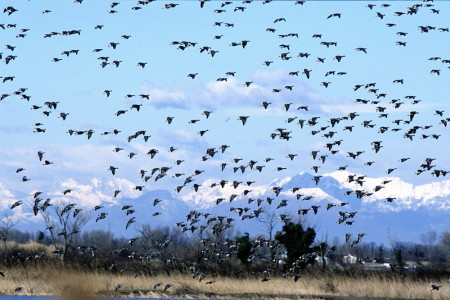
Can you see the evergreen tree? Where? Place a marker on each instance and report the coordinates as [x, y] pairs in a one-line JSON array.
[[297, 242], [245, 248]]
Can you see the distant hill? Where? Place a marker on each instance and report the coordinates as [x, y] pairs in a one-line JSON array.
[[420, 209]]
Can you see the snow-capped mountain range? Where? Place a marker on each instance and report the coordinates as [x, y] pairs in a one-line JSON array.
[[413, 210]]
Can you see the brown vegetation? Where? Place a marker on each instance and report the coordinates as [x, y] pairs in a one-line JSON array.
[[58, 279], [163, 255]]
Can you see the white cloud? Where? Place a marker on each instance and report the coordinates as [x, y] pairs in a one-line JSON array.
[[277, 77], [184, 139], [235, 92], [164, 98]]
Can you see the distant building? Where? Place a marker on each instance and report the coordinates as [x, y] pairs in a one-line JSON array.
[[349, 259]]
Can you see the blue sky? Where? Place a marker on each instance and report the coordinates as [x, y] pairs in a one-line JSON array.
[[77, 82]]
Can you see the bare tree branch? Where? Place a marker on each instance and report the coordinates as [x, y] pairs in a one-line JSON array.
[[7, 223], [63, 227], [269, 219]]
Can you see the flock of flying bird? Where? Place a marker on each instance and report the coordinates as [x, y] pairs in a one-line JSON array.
[[304, 122]]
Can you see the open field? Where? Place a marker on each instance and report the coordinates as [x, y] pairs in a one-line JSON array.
[[58, 280], [84, 278]]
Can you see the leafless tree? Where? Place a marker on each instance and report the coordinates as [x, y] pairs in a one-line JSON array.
[[7, 223], [198, 247], [63, 226], [444, 245], [97, 237], [269, 219], [160, 243], [428, 239]]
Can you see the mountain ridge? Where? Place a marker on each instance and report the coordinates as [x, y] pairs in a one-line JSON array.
[[331, 189]]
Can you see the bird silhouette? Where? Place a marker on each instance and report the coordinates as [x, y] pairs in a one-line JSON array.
[[307, 72], [113, 169], [243, 119], [435, 287]]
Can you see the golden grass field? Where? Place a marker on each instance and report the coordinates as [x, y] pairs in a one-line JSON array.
[[52, 278], [61, 281]]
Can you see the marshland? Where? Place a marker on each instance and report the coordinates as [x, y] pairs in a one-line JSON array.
[[238, 267]]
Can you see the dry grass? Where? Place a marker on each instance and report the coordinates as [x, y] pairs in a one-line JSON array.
[[28, 248], [66, 281]]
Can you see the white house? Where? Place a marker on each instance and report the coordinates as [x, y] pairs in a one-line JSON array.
[[350, 259]]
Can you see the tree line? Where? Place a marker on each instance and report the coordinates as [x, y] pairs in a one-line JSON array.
[[228, 252]]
